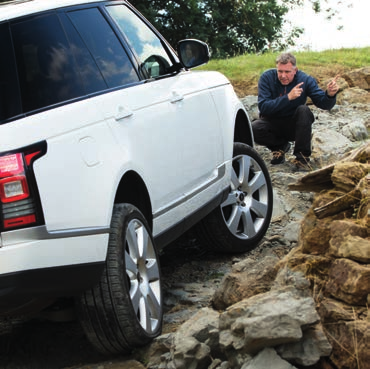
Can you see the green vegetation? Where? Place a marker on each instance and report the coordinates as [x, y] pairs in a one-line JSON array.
[[230, 27], [249, 67], [233, 27]]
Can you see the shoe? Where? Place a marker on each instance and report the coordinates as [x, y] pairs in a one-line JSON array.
[[302, 164], [278, 157]]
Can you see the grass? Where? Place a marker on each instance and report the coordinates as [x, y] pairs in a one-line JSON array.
[[249, 67]]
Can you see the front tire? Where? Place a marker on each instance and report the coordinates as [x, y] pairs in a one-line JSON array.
[[125, 310], [239, 224]]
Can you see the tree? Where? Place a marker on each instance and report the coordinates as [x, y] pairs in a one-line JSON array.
[[230, 27]]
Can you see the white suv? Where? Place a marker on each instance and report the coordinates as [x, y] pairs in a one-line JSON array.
[[111, 148]]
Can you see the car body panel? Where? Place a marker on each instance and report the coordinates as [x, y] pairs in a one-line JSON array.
[[173, 132]]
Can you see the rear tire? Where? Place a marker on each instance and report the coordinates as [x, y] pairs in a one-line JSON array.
[[125, 309], [239, 224]]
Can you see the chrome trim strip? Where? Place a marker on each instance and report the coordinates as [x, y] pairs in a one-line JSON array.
[[220, 174], [41, 233]]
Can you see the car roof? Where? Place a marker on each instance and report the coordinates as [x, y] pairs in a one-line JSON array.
[[18, 8]]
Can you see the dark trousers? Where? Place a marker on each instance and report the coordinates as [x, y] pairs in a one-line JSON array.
[[274, 133]]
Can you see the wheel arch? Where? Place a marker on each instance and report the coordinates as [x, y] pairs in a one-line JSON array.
[[243, 129], [133, 190]]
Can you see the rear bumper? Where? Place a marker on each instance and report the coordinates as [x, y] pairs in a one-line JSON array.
[[35, 264]]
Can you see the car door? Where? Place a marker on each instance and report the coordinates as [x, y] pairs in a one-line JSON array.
[[179, 105], [157, 121]]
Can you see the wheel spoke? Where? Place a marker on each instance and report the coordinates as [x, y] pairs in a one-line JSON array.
[[234, 219], [135, 295], [130, 264], [257, 182], [248, 225], [245, 164], [259, 208], [154, 302], [231, 200], [143, 240], [149, 310], [234, 180], [152, 270], [132, 240], [144, 315]]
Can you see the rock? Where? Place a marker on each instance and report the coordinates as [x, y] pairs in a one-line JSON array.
[[314, 268], [309, 350], [350, 342], [349, 282], [251, 104], [328, 145], [279, 210], [247, 279], [268, 319], [349, 241], [287, 278], [352, 96], [347, 175], [158, 350], [315, 234], [358, 78], [191, 354], [292, 231], [203, 326], [192, 342], [332, 310], [355, 131], [267, 358]]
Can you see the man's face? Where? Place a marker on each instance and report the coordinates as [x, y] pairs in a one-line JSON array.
[[286, 73]]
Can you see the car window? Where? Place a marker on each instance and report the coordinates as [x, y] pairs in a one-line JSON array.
[[91, 75], [10, 105], [143, 40], [47, 71], [106, 49]]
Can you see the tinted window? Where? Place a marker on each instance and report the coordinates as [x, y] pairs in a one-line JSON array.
[[105, 47], [46, 67], [91, 76], [9, 93], [142, 39]]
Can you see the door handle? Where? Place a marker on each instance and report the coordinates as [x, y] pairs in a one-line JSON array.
[[123, 113], [176, 97]]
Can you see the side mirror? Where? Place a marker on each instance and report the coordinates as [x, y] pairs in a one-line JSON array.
[[192, 53]]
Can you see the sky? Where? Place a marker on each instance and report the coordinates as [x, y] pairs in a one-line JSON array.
[[321, 34]]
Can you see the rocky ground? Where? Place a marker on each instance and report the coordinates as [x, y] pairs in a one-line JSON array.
[[191, 274]]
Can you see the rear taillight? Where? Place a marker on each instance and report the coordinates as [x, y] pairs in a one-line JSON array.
[[19, 201]]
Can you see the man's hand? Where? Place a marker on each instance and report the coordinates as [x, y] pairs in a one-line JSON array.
[[332, 87], [296, 92]]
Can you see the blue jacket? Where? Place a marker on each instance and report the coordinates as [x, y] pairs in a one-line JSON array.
[[273, 96]]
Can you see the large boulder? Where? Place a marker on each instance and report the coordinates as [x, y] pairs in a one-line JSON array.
[[246, 279], [353, 95], [349, 282], [269, 319], [358, 78]]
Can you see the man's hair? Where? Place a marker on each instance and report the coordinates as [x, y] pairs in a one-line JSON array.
[[286, 58]]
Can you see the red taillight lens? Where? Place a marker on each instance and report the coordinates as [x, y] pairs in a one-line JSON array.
[[11, 165], [17, 204], [16, 222]]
